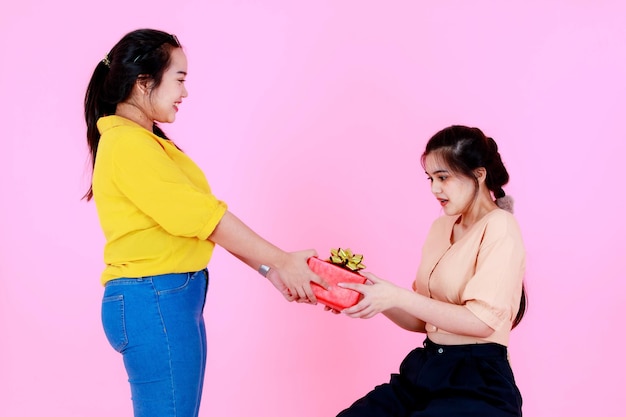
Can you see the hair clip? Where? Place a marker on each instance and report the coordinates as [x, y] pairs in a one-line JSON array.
[[106, 60]]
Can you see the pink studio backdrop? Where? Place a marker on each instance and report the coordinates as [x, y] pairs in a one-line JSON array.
[[308, 118]]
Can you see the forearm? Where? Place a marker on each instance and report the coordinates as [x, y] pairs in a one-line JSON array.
[[452, 318], [250, 262], [237, 238], [405, 320]]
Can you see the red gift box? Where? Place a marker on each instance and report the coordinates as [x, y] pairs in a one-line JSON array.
[[335, 297]]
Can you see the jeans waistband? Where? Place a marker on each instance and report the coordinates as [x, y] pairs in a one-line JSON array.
[[151, 278], [477, 349]]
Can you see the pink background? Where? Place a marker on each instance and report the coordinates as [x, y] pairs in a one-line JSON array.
[[309, 118]]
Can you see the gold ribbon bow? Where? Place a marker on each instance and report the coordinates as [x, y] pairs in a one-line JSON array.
[[346, 259]]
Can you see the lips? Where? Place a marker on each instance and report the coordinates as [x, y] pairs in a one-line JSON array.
[[442, 201]]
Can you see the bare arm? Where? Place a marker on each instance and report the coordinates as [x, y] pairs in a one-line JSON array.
[[452, 318], [410, 310], [237, 238], [405, 320]]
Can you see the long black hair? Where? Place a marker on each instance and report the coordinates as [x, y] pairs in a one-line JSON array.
[[140, 54], [464, 149]]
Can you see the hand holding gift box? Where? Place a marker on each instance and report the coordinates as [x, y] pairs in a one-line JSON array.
[[342, 266]]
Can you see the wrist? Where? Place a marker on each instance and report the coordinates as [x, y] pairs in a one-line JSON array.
[[264, 270], [281, 260]]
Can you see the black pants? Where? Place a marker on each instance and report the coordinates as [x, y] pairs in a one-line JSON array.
[[438, 380]]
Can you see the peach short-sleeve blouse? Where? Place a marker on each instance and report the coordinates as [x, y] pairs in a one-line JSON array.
[[483, 270]]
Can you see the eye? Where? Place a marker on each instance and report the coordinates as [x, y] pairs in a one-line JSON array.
[[429, 179], [442, 178]]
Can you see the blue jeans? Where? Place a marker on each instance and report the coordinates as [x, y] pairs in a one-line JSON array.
[[156, 323]]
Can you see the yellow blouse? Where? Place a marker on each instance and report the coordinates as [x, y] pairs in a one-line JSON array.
[[155, 205]]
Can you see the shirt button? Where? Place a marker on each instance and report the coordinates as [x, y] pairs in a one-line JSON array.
[[440, 350]]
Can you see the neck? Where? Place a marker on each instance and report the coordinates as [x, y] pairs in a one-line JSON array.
[[134, 113], [482, 205]]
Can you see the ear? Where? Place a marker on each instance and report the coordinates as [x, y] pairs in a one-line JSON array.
[[480, 174], [143, 84]]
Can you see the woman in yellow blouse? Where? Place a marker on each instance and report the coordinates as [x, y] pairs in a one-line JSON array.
[[161, 222], [467, 296]]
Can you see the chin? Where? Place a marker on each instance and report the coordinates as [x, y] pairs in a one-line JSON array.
[[170, 119], [449, 211]]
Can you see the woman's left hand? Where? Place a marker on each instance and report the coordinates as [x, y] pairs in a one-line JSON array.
[[378, 296]]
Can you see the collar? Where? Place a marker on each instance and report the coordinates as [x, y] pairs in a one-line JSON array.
[[109, 122]]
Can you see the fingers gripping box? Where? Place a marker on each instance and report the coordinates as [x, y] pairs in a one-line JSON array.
[[335, 297]]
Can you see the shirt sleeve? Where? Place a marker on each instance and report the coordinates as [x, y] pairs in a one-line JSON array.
[[148, 177], [493, 293]]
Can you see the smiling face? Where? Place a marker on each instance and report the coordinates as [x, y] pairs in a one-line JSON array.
[[168, 95], [456, 193]]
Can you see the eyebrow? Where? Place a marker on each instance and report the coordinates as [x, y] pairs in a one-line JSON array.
[[439, 171], [182, 72]]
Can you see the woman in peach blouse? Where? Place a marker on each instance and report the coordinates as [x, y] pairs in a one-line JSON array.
[[467, 296]]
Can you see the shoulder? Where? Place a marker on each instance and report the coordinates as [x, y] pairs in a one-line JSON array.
[[120, 134], [500, 224], [440, 230]]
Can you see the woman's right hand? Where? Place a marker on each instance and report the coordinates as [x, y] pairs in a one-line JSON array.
[[297, 276], [278, 283], [378, 296], [332, 310]]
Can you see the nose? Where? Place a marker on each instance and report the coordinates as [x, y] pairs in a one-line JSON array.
[[185, 92], [435, 188]]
